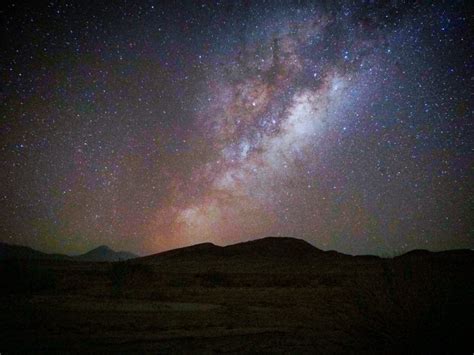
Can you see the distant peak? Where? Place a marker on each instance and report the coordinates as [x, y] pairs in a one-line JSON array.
[[200, 246], [103, 248], [104, 253], [274, 246], [278, 241], [207, 244]]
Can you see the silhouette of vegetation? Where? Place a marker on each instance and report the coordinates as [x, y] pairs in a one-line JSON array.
[[123, 272], [215, 279], [26, 277]]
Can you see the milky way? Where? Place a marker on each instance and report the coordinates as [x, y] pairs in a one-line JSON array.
[[147, 127]]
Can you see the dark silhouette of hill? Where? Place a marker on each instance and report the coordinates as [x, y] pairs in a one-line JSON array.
[[270, 253], [423, 253], [203, 249], [281, 248], [10, 251], [273, 247], [267, 248], [274, 253], [102, 253]]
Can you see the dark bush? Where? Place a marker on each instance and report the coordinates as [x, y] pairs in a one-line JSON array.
[[123, 272], [26, 277], [215, 279]]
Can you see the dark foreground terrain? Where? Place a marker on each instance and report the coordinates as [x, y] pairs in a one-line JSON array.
[[272, 295]]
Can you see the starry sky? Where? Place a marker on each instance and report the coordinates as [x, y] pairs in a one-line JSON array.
[[148, 125]]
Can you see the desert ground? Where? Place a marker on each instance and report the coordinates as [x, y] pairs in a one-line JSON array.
[[265, 298]]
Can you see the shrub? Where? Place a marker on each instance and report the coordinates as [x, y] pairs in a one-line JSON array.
[[123, 272], [26, 277], [215, 279]]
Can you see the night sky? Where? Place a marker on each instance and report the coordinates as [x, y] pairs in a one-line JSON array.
[[147, 126]]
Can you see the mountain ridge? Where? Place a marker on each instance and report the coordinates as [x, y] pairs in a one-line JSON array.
[[279, 247], [244, 255], [267, 247], [100, 254]]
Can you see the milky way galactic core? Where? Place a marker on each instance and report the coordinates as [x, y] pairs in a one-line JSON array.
[[147, 126]]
